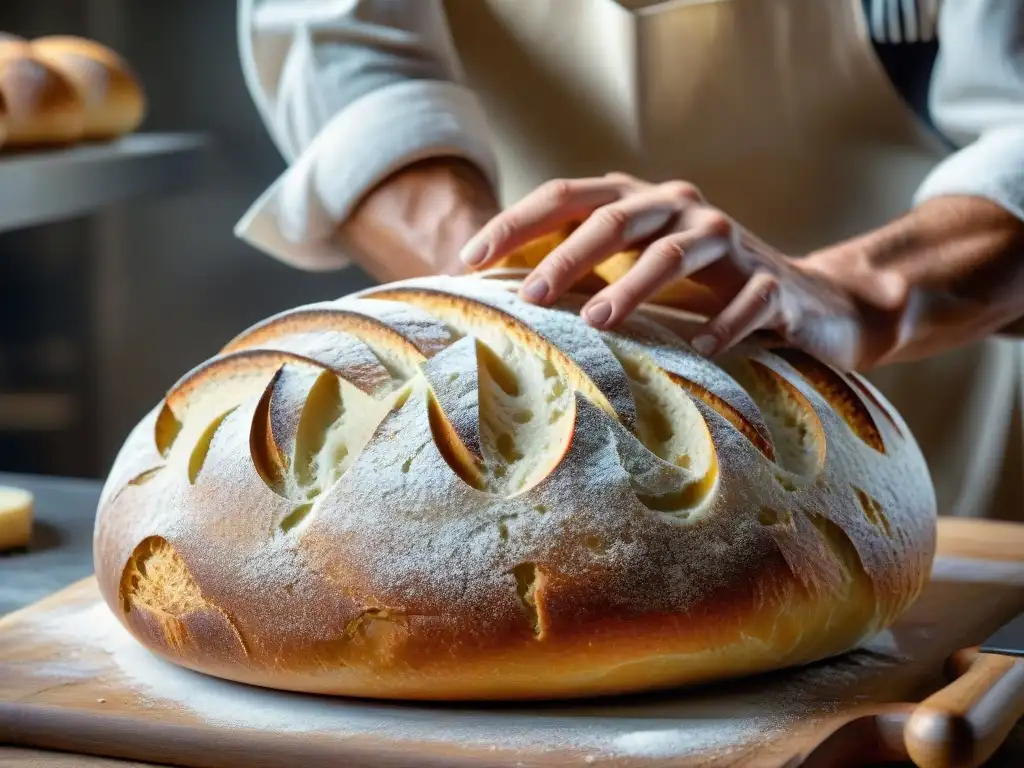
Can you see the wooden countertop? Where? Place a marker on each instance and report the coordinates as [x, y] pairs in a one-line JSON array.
[[61, 554]]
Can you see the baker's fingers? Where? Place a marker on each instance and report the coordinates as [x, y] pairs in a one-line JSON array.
[[667, 259], [627, 223], [755, 307], [719, 261], [548, 208]]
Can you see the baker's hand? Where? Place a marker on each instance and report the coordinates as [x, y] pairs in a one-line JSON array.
[[414, 222], [837, 309]]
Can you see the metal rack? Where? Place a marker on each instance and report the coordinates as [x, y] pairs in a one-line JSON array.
[[48, 186]]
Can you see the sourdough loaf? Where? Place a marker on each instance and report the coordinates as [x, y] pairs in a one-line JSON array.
[[433, 490]]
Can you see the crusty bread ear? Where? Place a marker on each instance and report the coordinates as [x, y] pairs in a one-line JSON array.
[[434, 490], [399, 336]]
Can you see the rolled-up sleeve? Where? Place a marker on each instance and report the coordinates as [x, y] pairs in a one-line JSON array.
[[350, 91], [977, 100]]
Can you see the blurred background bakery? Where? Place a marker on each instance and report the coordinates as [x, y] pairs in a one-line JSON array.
[[130, 149]]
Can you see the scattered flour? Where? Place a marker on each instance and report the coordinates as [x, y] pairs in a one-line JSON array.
[[717, 735], [699, 721]]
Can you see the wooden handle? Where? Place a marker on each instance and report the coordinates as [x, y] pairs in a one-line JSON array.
[[962, 725], [873, 736]]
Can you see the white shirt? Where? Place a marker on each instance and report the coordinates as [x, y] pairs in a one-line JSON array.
[[353, 90]]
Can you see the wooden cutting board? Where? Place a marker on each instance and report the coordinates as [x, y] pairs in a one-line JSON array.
[[72, 679]]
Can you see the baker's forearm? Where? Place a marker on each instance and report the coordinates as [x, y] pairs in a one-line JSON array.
[[415, 222], [948, 273]]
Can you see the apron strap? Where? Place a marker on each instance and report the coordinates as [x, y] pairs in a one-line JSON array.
[[903, 35]]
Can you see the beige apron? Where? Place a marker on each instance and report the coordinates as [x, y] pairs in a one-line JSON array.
[[780, 113]]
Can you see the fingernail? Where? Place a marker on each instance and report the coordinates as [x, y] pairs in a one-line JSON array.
[[599, 314], [474, 252], [704, 345], [536, 290]]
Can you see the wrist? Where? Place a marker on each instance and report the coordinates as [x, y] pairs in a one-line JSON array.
[[965, 248], [417, 219], [870, 279], [947, 273]]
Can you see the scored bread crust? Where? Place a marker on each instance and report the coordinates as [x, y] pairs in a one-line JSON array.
[[60, 90], [114, 101], [43, 106], [434, 490]]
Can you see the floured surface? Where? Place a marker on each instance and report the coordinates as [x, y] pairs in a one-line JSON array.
[[98, 654], [68, 653]]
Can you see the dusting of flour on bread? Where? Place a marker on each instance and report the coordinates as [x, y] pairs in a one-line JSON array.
[[434, 490]]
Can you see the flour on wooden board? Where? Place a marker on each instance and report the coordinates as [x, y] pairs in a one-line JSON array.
[[663, 725]]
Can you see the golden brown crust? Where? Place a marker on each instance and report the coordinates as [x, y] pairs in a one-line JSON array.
[[113, 98], [518, 507], [43, 105]]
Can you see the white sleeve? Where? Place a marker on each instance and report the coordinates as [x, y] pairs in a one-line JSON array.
[[977, 100], [351, 91]]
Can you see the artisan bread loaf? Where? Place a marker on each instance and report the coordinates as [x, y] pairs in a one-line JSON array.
[[434, 490], [43, 105], [113, 98]]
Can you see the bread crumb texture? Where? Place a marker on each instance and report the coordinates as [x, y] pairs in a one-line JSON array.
[[433, 490]]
